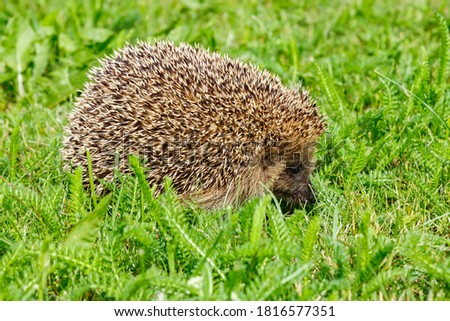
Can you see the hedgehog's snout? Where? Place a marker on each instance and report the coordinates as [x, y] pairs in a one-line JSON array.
[[304, 194], [293, 186]]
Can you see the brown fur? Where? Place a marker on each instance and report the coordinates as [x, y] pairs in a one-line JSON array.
[[220, 129]]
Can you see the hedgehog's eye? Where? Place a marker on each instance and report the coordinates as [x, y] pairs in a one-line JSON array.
[[294, 169]]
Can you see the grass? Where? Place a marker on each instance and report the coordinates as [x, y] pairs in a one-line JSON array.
[[381, 227]]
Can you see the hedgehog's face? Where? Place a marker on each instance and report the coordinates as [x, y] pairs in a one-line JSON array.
[[293, 186]]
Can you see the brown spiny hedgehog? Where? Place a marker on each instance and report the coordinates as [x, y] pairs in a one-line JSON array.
[[221, 130]]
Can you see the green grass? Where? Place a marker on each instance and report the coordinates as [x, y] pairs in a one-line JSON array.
[[381, 227]]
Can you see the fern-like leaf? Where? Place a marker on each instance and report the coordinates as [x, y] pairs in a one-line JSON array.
[[421, 86], [390, 99], [309, 239], [76, 203], [382, 280], [359, 161], [13, 151], [330, 91], [278, 227], [258, 219], [442, 75]]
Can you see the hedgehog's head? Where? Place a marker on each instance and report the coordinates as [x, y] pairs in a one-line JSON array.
[[292, 185], [297, 129]]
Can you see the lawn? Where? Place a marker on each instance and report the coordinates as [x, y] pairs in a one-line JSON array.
[[380, 230]]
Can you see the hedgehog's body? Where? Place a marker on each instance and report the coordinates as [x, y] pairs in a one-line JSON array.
[[220, 129]]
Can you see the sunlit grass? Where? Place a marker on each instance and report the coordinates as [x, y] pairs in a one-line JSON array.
[[379, 231]]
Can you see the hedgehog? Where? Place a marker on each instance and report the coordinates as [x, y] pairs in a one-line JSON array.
[[221, 130]]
